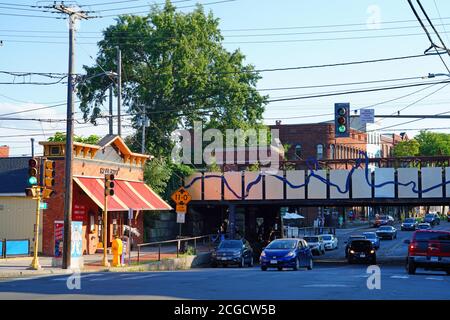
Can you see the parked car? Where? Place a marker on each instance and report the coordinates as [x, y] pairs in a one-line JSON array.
[[432, 218], [424, 226], [330, 241], [429, 249], [229, 252], [316, 244], [388, 232], [372, 236], [349, 242], [362, 250], [286, 253], [384, 220], [409, 224]]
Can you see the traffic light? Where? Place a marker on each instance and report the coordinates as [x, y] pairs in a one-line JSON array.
[[32, 172], [31, 192], [342, 120], [47, 193], [49, 173], [109, 184]]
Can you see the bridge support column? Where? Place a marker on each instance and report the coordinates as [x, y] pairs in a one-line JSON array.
[[232, 220]]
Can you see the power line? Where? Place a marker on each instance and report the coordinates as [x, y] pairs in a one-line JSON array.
[[321, 95]]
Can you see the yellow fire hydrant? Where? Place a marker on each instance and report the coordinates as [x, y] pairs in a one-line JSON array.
[[117, 248]]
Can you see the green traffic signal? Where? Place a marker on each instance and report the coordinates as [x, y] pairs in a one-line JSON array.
[[341, 128], [32, 180]]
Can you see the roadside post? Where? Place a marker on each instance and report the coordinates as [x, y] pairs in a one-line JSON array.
[[181, 198]]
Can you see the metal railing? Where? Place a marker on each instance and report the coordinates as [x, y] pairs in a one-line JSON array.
[[209, 239], [308, 231]]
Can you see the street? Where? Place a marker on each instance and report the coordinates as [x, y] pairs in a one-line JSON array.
[[324, 282], [331, 278]]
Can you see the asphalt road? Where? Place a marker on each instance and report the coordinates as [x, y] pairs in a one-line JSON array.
[[323, 282], [389, 249]]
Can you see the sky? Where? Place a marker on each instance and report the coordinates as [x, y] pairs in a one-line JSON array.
[[271, 34]]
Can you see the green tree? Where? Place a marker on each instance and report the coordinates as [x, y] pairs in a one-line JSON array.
[[406, 148], [433, 143], [61, 136], [174, 63]]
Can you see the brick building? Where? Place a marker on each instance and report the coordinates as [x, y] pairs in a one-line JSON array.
[[317, 140], [91, 163]]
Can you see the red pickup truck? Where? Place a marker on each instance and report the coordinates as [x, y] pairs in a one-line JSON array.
[[429, 249]]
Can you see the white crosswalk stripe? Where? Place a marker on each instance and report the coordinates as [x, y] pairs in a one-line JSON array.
[[399, 277], [140, 277]]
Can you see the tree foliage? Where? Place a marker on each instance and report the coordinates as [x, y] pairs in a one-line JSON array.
[[61, 137], [175, 65], [424, 144]]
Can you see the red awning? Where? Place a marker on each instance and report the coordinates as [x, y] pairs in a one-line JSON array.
[[127, 195]]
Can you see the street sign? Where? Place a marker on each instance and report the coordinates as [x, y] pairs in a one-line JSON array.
[[181, 217], [43, 205], [181, 208], [181, 196], [367, 115]]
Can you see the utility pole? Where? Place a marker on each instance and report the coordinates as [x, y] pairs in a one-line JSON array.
[[119, 91], [144, 123], [32, 147], [111, 109], [73, 15]]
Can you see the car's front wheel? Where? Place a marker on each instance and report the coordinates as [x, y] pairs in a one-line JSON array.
[[263, 268], [297, 264], [242, 264]]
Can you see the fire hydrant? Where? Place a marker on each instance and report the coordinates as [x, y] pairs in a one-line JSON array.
[[117, 248]]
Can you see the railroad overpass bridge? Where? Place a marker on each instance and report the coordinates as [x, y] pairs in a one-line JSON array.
[[410, 184]]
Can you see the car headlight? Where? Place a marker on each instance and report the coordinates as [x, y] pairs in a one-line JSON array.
[[263, 254], [372, 251], [352, 252], [290, 254]]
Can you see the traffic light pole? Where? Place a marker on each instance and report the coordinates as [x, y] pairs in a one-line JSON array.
[[105, 232], [35, 263]]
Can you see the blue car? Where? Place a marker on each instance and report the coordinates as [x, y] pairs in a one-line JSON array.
[[372, 236], [286, 253]]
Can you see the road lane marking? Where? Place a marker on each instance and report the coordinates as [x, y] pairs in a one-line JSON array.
[[140, 277], [326, 286], [435, 278], [399, 277], [82, 276]]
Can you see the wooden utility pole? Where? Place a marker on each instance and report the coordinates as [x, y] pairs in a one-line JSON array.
[[73, 14]]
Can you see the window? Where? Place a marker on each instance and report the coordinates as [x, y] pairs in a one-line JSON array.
[[319, 151], [298, 151], [332, 150]]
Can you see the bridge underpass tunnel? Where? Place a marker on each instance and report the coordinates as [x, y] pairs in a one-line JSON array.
[[254, 223]]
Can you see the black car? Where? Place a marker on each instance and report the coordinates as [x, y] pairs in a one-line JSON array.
[[432, 218], [387, 232], [233, 252], [409, 224], [362, 250], [349, 242]]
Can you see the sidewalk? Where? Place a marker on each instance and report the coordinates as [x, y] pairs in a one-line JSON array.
[[19, 267]]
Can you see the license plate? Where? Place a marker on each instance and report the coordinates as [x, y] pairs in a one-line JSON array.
[[223, 258], [362, 255], [434, 259], [273, 261]]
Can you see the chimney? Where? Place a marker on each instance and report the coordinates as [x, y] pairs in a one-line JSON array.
[[4, 151]]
